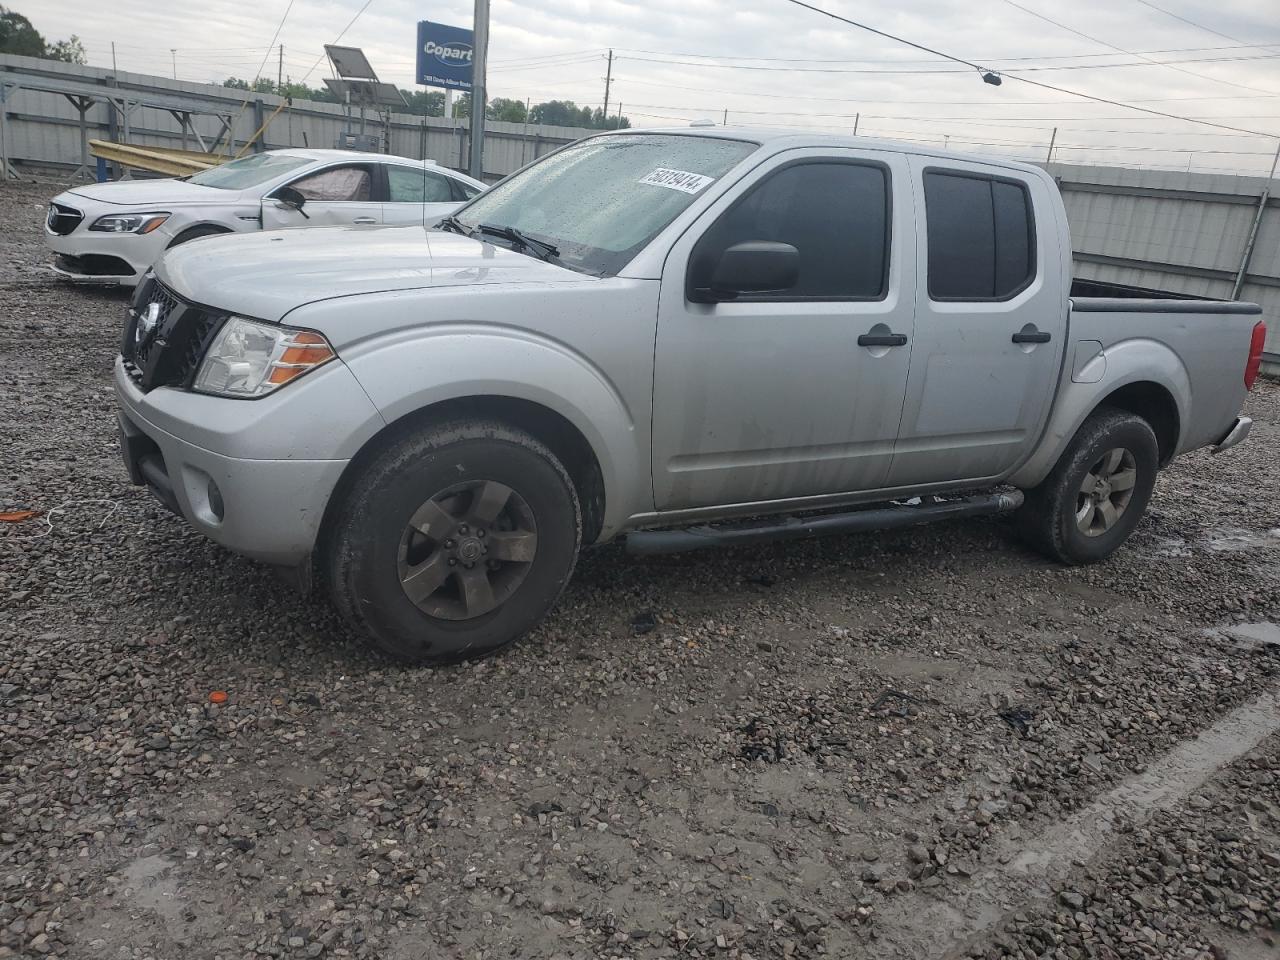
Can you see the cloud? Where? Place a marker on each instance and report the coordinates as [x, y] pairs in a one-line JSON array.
[[794, 81]]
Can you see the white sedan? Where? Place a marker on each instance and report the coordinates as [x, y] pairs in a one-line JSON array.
[[113, 232]]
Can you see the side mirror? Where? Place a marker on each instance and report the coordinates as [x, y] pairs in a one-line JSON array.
[[757, 266], [292, 199]]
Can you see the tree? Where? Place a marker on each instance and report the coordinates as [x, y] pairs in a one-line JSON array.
[[69, 51], [504, 108], [17, 35], [566, 113]]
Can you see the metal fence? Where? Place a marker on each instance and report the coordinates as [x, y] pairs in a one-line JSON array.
[[1194, 234], [42, 127]]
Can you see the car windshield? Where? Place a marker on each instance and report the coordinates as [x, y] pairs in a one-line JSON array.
[[600, 201], [248, 171]]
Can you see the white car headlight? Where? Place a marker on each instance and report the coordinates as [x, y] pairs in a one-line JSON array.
[[250, 359], [129, 222]]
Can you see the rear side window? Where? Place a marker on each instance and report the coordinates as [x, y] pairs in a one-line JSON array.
[[463, 191], [407, 185], [981, 237], [835, 214]]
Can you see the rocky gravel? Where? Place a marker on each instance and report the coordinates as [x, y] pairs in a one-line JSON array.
[[746, 754]]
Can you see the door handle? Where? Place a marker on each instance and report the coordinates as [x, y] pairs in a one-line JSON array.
[[882, 340], [365, 220], [1032, 336]]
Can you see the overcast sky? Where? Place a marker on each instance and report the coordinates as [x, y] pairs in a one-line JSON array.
[[771, 63]]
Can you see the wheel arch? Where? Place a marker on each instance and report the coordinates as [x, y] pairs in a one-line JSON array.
[[1142, 377], [213, 225], [560, 435]]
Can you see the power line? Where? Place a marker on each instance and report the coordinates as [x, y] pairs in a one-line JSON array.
[[901, 62], [1169, 64], [1198, 26], [952, 103], [336, 39], [916, 71], [1035, 83]]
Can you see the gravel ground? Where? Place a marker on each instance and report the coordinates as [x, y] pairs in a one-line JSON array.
[[696, 756]]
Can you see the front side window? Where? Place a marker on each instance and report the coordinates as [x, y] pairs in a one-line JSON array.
[[248, 171], [600, 201], [337, 184], [981, 237], [406, 185], [835, 214]]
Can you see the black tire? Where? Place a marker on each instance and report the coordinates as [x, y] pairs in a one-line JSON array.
[[370, 545], [1051, 518], [195, 233]]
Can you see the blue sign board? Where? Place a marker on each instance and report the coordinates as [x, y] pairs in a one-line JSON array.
[[444, 55]]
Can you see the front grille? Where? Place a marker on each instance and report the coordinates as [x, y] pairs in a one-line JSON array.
[[165, 337], [63, 219]]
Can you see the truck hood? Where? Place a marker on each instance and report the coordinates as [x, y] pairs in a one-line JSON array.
[[265, 275], [150, 193]]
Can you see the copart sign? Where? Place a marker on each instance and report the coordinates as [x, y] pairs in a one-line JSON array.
[[444, 55]]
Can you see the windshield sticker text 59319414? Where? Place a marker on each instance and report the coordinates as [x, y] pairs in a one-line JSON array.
[[680, 180]]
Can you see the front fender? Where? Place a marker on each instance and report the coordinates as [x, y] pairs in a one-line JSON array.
[[1130, 361], [418, 369]]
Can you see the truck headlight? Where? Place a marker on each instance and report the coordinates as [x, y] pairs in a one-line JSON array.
[[129, 222], [250, 359]]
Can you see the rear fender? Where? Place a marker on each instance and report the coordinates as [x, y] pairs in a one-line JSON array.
[[1131, 361]]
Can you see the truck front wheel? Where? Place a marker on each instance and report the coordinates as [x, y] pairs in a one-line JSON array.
[[454, 541], [1096, 494]]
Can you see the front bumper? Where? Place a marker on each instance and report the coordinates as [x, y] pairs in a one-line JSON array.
[[266, 509], [1238, 433], [112, 259]]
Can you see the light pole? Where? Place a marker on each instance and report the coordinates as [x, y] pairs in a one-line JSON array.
[[481, 54], [173, 52]]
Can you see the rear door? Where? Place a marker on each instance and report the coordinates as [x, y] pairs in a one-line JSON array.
[[418, 195], [990, 322], [346, 193], [772, 396]]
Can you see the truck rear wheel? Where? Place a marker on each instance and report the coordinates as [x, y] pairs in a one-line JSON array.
[[454, 541], [1096, 494]]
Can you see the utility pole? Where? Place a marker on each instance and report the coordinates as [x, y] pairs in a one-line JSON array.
[[478, 64], [280, 73], [725, 121], [856, 118], [173, 52], [608, 79], [114, 69], [1052, 140]]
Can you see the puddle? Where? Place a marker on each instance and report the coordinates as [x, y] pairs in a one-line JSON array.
[[920, 926], [1230, 540], [1255, 636]]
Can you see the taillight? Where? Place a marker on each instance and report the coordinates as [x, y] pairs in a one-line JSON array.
[[1255, 354]]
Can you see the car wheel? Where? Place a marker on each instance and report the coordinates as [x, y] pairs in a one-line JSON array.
[[195, 233], [1097, 493], [454, 541]]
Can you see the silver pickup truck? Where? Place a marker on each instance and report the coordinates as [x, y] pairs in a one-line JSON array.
[[688, 337]]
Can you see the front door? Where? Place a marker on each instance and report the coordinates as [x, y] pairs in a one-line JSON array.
[[335, 196], [771, 396], [990, 323]]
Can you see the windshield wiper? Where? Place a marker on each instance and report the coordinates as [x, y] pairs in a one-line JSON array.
[[454, 224], [539, 248]]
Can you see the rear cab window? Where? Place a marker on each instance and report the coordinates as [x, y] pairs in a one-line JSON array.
[[981, 236]]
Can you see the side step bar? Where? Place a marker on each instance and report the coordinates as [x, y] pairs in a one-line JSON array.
[[649, 542]]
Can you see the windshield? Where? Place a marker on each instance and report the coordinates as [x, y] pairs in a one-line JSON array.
[[248, 171], [600, 201]]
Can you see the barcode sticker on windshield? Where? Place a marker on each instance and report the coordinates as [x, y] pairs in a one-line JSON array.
[[680, 180]]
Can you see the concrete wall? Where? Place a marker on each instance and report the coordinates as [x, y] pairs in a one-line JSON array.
[[1178, 232], [43, 127]]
